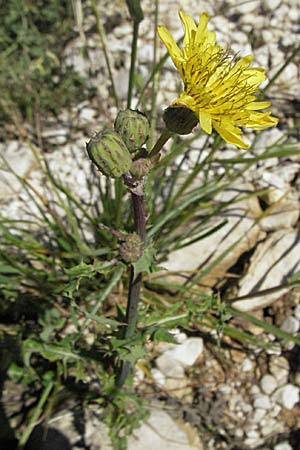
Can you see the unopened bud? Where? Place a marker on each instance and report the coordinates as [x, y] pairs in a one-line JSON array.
[[135, 10], [141, 167], [132, 248], [109, 153], [180, 119], [133, 127]]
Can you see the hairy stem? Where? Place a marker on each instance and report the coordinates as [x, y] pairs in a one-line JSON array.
[[139, 213]]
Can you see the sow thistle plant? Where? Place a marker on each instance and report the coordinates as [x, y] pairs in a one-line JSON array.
[[94, 252], [219, 93]]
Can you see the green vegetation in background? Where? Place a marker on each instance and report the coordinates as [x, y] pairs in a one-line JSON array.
[[33, 81], [62, 283]]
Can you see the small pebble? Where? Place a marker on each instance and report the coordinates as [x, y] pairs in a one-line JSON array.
[[254, 390], [272, 426], [294, 14], [253, 442], [283, 446], [262, 401], [275, 410], [290, 325], [252, 434], [287, 396], [247, 365], [158, 376], [297, 312], [279, 367], [169, 367], [239, 433], [268, 384], [259, 413], [188, 352], [272, 4]]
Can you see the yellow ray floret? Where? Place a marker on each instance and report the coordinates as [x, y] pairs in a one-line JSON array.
[[219, 88]]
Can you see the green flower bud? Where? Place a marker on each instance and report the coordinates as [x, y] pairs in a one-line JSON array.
[[133, 127], [135, 10], [107, 150], [132, 248], [180, 119], [140, 167]]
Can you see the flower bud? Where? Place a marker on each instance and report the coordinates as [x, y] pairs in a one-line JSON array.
[[135, 10], [107, 150], [140, 167], [132, 248], [180, 119], [133, 127]]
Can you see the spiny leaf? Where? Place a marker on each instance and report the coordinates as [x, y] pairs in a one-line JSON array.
[[145, 262]]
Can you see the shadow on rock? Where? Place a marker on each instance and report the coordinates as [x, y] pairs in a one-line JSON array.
[[47, 439]]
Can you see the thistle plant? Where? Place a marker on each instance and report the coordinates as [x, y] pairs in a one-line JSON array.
[[68, 267], [219, 93]]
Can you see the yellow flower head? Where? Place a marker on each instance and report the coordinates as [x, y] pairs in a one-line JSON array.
[[218, 88]]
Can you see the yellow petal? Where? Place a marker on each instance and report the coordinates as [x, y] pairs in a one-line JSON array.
[[253, 106], [205, 122], [260, 121], [171, 45], [255, 76], [230, 133], [201, 29], [242, 63], [189, 28], [211, 37]]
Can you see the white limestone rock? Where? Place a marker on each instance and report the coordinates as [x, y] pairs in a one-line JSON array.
[[55, 136], [262, 401], [168, 366], [290, 325], [283, 446], [272, 4], [160, 431], [246, 7], [268, 384], [287, 396], [241, 228], [297, 312], [279, 368], [182, 355], [258, 415], [273, 261], [20, 158]]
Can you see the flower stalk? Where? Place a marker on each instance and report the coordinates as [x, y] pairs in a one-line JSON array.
[[164, 137], [137, 16], [135, 283]]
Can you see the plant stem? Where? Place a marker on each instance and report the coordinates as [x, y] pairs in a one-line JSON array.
[[132, 61], [104, 48], [119, 204], [139, 214], [163, 138], [35, 416], [154, 81]]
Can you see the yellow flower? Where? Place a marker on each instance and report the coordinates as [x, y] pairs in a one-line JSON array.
[[219, 88]]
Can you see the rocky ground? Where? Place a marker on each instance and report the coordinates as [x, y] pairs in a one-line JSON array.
[[208, 399]]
